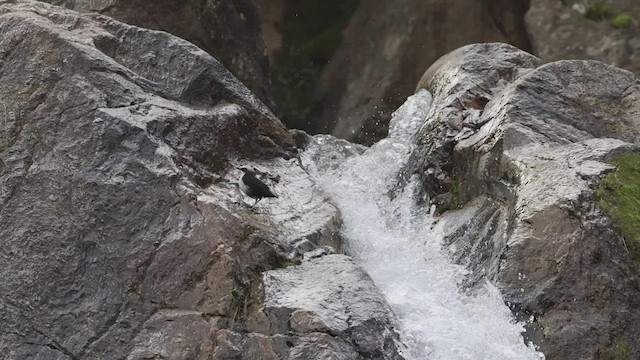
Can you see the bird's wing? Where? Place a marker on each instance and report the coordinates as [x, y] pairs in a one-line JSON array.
[[260, 188]]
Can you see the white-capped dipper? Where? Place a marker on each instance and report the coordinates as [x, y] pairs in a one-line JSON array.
[[253, 187]]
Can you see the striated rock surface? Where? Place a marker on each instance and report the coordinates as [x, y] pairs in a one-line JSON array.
[[229, 30], [575, 29], [338, 315], [376, 67], [124, 235], [515, 152]]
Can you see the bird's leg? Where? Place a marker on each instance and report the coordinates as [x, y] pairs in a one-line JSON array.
[[256, 203]]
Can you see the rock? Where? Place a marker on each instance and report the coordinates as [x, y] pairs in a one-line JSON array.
[[332, 151], [175, 334], [457, 109], [377, 65], [300, 137], [124, 235], [272, 15], [558, 30], [229, 30], [340, 315], [515, 152]]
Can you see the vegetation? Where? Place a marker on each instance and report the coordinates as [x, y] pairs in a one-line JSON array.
[[598, 10], [289, 263], [619, 196], [456, 190], [621, 21], [619, 351], [240, 302], [233, 295], [311, 34]]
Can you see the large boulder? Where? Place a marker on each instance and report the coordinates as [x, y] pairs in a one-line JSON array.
[[512, 153], [229, 30], [124, 234], [376, 66], [339, 315], [602, 30]]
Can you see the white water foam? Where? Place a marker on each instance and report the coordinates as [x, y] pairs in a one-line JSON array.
[[395, 243]]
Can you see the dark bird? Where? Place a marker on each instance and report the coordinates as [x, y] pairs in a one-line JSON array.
[[253, 187]]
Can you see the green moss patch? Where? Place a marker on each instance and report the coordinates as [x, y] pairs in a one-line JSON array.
[[619, 351], [621, 21], [619, 196], [290, 263]]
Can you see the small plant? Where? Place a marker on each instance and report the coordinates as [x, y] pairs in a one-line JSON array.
[[621, 21], [290, 263], [598, 10], [455, 190], [233, 294], [240, 302]]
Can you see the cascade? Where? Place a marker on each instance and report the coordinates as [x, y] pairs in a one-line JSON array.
[[396, 242]]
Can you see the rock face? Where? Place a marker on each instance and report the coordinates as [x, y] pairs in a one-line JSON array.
[[229, 30], [272, 13], [560, 31], [339, 315], [124, 235], [515, 151], [377, 65]]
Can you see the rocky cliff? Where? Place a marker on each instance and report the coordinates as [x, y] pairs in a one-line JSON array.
[[513, 153], [230, 31], [376, 66], [608, 31], [124, 235]]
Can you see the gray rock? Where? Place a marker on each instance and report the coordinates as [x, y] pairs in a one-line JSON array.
[[515, 152], [228, 30], [482, 70], [559, 31], [339, 315], [124, 235]]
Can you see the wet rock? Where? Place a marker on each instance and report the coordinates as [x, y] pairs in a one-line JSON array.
[[512, 153], [564, 30], [462, 84], [333, 151], [378, 63], [124, 234], [229, 30], [340, 315]]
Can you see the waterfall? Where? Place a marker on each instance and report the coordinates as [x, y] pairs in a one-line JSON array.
[[396, 243]]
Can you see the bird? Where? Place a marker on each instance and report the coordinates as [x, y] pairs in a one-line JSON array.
[[253, 187]]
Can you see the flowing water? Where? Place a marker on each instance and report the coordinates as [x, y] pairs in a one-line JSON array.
[[395, 243]]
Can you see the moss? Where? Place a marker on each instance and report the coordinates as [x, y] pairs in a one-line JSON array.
[[619, 351], [311, 33], [621, 21], [456, 190], [33, 88], [619, 196], [290, 263], [598, 10]]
